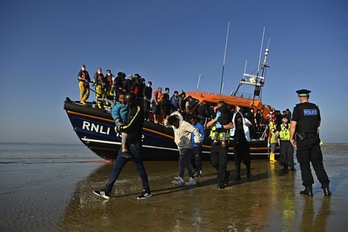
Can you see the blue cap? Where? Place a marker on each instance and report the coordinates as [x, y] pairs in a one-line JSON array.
[[303, 92]]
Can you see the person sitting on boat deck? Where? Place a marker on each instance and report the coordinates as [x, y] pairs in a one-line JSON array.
[[84, 79], [241, 143], [156, 104], [218, 153], [286, 154], [134, 129], [109, 88], [182, 137], [99, 82], [196, 157], [222, 118], [147, 93], [119, 113]]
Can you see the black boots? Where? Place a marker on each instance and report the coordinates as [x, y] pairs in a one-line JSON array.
[[327, 191], [308, 191]]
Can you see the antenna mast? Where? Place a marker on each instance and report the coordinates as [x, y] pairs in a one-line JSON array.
[[199, 80], [223, 63]]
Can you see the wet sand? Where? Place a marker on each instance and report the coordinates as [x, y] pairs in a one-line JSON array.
[[58, 197]]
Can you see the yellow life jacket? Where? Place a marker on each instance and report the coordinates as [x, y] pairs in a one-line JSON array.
[[274, 138], [212, 133], [284, 133]]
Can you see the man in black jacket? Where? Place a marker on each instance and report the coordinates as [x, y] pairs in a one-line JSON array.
[[134, 130], [305, 137]]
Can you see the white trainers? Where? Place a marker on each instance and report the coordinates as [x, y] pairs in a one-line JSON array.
[[144, 195], [191, 181], [178, 181], [102, 193]]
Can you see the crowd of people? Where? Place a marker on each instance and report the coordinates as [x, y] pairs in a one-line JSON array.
[[190, 126]]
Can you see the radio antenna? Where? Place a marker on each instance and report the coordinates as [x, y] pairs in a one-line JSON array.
[[223, 63]]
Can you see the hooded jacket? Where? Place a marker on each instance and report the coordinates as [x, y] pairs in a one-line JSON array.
[[182, 134]]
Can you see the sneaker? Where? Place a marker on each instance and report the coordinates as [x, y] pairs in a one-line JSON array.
[[221, 186], [191, 181], [125, 154], [198, 174], [178, 181], [144, 195], [102, 193]]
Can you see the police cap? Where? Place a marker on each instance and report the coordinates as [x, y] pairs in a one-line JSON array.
[[303, 92]]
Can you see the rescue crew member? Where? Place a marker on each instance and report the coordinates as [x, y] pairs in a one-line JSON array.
[[218, 153], [99, 82], [84, 80], [286, 154], [305, 137]]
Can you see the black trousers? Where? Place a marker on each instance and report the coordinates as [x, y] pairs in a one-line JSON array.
[[286, 154], [218, 159], [309, 152], [242, 154], [196, 159]]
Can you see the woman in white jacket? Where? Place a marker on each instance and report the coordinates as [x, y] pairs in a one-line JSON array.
[[182, 137]]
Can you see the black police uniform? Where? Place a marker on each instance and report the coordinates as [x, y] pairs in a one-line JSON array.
[[307, 116]]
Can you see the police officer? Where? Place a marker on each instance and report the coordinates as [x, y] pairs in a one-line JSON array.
[[304, 136], [218, 153], [286, 154]]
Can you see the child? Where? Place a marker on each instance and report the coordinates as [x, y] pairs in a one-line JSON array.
[[223, 117], [119, 113], [196, 159]]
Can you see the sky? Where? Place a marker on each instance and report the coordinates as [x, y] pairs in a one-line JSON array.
[[44, 42]]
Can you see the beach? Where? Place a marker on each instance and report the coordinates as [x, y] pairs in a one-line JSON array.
[[49, 188]]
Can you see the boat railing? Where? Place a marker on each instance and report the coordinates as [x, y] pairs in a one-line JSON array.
[[242, 95]]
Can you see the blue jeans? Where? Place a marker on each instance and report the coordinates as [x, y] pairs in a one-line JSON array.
[[184, 162], [135, 151]]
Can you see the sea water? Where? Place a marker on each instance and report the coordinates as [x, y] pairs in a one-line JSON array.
[[48, 187]]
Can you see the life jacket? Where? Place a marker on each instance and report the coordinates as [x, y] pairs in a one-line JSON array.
[[157, 95], [274, 137], [284, 133], [212, 133]]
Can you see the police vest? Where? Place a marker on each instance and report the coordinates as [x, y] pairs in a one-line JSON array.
[[308, 117], [284, 133], [212, 133]]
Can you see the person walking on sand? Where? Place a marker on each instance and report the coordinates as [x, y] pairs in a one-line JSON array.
[[182, 137], [305, 137], [241, 142], [196, 157], [134, 129], [218, 153]]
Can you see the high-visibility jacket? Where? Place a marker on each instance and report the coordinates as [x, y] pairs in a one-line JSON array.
[[212, 133], [284, 133]]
